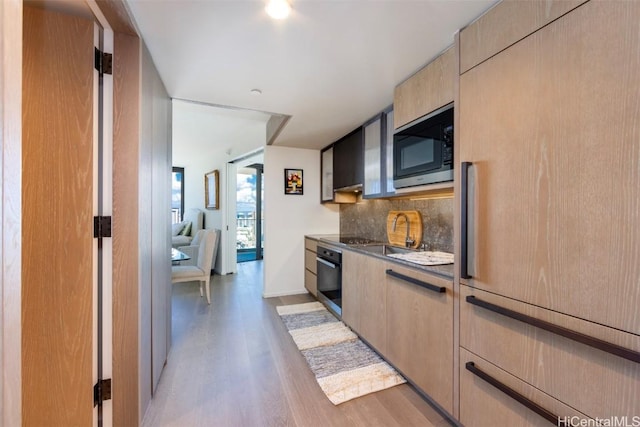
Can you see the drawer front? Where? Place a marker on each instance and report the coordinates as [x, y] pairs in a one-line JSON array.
[[310, 261], [311, 245], [591, 380], [311, 282], [484, 404]]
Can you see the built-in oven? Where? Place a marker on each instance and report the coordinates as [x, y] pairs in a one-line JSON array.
[[423, 150], [329, 270]]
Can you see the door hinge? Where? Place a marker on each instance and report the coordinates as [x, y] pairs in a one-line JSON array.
[[103, 62], [101, 227], [101, 391]]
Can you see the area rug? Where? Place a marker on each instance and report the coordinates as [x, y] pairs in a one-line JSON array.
[[343, 365]]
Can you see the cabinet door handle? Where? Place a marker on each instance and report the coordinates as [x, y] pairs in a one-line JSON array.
[[547, 415], [464, 220], [608, 347], [426, 285]]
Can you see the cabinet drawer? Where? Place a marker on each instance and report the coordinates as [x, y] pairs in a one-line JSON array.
[[311, 282], [310, 261], [483, 404], [591, 380], [311, 245], [420, 331]]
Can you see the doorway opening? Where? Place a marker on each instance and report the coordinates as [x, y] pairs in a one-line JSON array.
[[250, 213]]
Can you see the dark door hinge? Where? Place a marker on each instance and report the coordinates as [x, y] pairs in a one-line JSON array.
[[101, 392], [101, 226], [103, 62]]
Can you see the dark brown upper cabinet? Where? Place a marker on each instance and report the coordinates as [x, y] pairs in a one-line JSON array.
[[348, 161]]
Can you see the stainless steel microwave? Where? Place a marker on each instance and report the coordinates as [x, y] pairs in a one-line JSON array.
[[423, 150]]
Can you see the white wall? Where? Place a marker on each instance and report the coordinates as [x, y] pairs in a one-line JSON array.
[[205, 140], [289, 218]]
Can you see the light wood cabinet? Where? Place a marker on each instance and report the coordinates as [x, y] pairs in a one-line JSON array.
[[419, 326], [310, 269], [483, 404], [364, 298], [429, 89], [504, 25], [549, 126], [550, 362], [553, 206]]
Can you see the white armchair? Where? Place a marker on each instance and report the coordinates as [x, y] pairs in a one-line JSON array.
[[192, 249], [201, 271]]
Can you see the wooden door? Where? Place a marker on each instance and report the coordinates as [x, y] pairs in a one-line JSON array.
[[552, 127], [57, 221]]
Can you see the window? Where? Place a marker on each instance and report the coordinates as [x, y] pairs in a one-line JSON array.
[[177, 195]]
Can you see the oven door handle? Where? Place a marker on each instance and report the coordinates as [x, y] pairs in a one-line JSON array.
[[327, 263]]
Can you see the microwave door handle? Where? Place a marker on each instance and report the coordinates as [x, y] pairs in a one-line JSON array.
[[467, 190]]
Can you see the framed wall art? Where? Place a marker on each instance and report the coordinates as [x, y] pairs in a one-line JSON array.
[[211, 190], [293, 181]]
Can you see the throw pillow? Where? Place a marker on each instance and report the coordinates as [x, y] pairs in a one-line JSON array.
[[186, 231], [176, 228]]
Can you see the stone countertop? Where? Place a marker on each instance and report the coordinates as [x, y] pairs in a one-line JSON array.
[[445, 271]]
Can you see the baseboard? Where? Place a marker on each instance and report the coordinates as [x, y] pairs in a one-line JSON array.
[[284, 294]]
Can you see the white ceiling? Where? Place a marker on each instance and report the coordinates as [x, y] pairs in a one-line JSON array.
[[331, 65]]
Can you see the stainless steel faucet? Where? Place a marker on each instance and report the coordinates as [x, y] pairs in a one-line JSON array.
[[408, 241]]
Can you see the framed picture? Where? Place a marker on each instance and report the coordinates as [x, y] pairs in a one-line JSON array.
[[211, 190], [293, 181]]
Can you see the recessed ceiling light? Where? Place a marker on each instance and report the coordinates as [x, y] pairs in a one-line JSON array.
[[256, 92], [278, 9]]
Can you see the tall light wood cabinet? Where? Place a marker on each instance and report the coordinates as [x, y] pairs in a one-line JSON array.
[[550, 126]]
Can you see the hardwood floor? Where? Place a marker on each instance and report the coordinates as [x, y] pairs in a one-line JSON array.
[[233, 364]]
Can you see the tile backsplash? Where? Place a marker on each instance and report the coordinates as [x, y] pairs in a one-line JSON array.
[[369, 219]]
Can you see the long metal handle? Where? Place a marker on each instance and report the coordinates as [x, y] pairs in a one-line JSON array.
[[547, 415], [464, 219], [608, 347], [426, 285], [327, 263]]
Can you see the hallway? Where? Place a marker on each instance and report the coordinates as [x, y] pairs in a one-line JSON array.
[[233, 364]]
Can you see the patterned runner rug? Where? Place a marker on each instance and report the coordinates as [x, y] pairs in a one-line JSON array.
[[344, 366]]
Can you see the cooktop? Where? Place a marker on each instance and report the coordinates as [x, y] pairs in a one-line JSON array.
[[349, 240]]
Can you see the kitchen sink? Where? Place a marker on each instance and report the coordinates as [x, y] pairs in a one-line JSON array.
[[387, 249], [410, 255]]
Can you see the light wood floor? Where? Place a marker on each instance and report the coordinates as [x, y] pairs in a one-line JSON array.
[[233, 364]]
